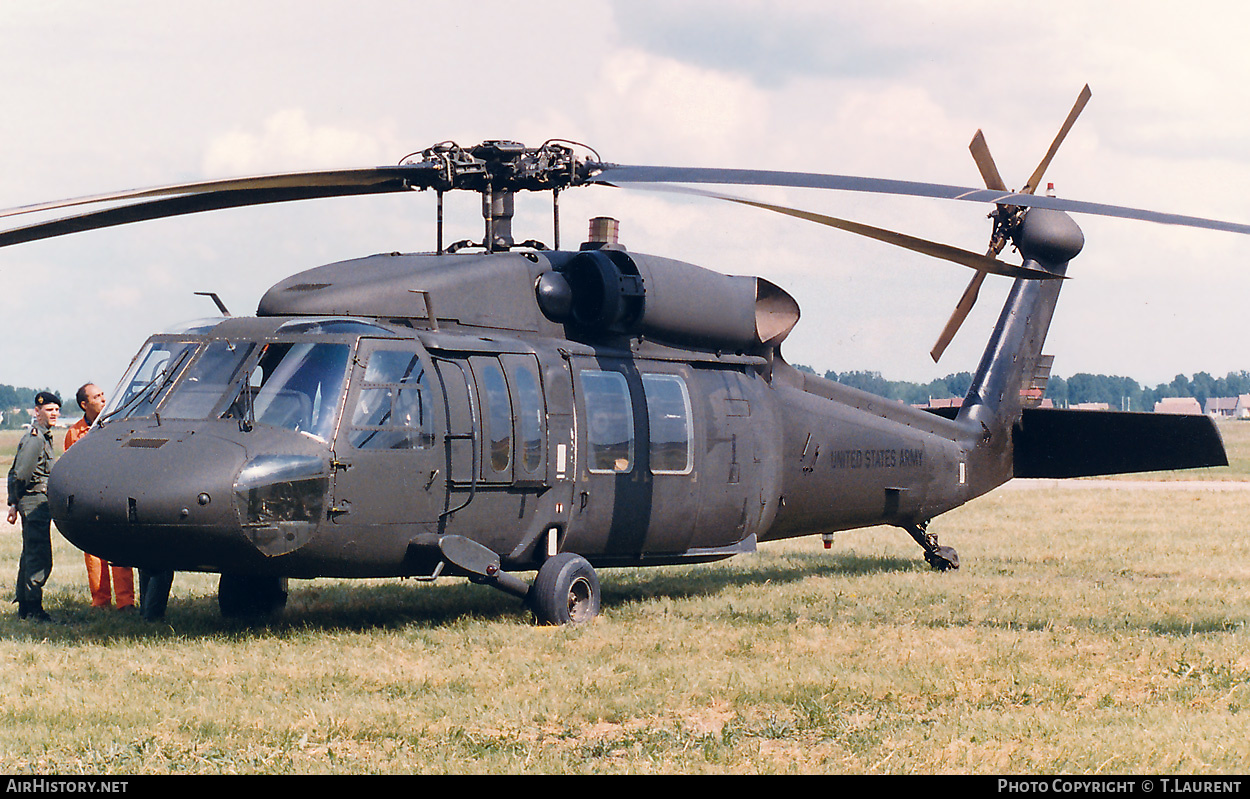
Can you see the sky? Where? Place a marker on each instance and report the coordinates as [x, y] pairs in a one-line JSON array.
[[99, 97]]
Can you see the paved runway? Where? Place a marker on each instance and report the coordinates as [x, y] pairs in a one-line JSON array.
[[1145, 485]]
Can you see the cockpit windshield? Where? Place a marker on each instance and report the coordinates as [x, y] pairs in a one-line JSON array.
[[212, 373], [293, 385], [145, 382]]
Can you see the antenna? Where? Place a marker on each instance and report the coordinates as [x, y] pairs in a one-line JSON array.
[[221, 306]]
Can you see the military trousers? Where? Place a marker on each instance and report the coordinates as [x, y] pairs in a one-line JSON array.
[[154, 588], [35, 565]]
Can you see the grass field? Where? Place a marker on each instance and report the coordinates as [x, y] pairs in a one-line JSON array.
[[1088, 631]]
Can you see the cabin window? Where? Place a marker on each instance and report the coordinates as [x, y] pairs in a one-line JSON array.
[[498, 413], [609, 422], [529, 417], [668, 414], [393, 409]]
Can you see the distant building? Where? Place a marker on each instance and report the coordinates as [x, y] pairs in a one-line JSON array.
[[945, 402], [1178, 405], [1090, 406], [1229, 407], [958, 402]]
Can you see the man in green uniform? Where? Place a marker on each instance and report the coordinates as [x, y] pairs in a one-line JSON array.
[[28, 498]]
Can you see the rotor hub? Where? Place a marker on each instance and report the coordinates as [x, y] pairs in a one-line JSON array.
[[497, 169], [503, 166]]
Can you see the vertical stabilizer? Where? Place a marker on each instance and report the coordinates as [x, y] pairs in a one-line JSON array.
[[1005, 379]]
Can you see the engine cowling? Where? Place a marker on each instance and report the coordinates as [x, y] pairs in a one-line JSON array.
[[611, 291]]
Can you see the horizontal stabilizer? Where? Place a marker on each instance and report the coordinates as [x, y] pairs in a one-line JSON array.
[[1054, 442]]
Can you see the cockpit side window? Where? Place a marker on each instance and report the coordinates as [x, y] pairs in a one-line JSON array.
[[297, 386], [394, 409]]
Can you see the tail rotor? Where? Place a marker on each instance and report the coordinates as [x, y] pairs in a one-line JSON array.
[[1007, 218]]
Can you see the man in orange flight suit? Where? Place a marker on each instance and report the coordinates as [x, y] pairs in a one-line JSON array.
[[91, 399]]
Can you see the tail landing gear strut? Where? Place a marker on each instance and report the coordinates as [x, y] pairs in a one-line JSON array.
[[939, 557]]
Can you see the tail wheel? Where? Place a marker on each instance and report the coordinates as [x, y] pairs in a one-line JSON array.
[[943, 558], [566, 591]]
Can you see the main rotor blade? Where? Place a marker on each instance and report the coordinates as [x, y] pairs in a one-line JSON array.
[[328, 179], [1036, 178], [982, 263], [985, 163], [189, 204], [620, 174]]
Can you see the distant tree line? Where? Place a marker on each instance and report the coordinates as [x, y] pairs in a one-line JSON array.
[[1126, 394], [955, 385], [15, 404], [1122, 393]]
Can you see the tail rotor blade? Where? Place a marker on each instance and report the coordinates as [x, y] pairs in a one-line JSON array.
[[962, 309], [1036, 178], [994, 180], [985, 163]]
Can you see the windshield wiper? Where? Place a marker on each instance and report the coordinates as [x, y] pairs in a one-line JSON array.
[[153, 387], [248, 422]]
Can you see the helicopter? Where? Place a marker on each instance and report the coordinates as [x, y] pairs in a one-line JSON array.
[[494, 408]]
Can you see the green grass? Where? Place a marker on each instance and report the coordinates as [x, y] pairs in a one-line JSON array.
[[1087, 631], [1237, 444]]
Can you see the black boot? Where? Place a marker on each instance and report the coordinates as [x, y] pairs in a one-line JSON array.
[[35, 612]]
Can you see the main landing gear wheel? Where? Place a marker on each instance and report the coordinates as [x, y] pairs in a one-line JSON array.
[[245, 596], [566, 591], [939, 557]]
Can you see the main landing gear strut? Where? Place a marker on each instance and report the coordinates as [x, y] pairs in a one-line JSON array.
[[939, 557], [565, 591]]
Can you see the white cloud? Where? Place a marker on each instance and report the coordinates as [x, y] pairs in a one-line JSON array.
[[287, 140], [658, 105]]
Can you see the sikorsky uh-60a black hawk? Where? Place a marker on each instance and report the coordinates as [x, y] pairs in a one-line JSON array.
[[496, 408]]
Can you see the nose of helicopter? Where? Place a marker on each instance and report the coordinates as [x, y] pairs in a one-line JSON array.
[[160, 499]]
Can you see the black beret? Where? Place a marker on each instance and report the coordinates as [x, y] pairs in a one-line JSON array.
[[46, 398]]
